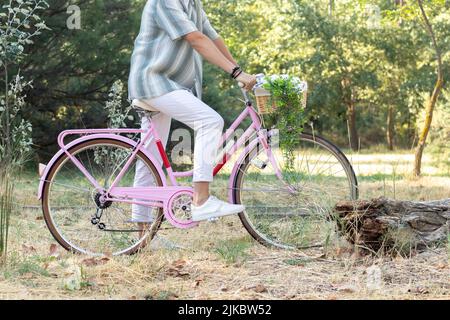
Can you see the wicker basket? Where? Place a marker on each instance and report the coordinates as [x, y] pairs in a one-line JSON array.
[[263, 101]]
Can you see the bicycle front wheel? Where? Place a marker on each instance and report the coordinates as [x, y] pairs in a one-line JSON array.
[[295, 212], [71, 206]]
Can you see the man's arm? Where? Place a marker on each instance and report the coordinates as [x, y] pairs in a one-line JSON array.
[[207, 48], [170, 17], [220, 44], [211, 52]]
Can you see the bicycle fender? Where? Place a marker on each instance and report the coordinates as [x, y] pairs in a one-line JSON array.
[[61, 152]]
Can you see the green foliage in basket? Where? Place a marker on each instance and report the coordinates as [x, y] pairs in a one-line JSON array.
[[289, 116]]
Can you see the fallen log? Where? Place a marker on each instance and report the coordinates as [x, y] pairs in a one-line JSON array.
[[389, 224]]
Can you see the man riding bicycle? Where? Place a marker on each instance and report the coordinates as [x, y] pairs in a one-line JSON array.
[[166, 76]]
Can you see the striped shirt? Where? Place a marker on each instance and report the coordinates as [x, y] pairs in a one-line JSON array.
[[162, 60]]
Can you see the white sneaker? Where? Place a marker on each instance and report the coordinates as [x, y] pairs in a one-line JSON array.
[[215, 208]]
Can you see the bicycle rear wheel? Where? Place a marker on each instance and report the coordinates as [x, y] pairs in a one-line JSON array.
[[71, 206], [296, 212]]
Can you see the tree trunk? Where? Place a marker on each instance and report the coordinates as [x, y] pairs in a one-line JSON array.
[[330, 7], [388, 224], [429, 109], [390, 130], [349, 102], [431, 102], [351, 127]]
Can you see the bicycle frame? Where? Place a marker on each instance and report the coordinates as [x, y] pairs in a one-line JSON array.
[[161, 196]]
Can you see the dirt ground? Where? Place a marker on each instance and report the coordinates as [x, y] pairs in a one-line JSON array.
[[221, 261]]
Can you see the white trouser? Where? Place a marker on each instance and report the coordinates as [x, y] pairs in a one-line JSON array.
[[207, 124]]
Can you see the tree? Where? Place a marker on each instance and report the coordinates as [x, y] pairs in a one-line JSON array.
[[431, 102], [345, 60], [72, 70], [365, 83]]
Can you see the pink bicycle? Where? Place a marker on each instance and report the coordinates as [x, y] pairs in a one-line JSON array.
[[87, 188]]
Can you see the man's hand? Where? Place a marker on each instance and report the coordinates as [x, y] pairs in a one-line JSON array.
[[249, 81]]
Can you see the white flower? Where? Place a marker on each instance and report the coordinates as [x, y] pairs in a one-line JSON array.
[[299, 85], [274, 77], [302, 86], [295, 80]]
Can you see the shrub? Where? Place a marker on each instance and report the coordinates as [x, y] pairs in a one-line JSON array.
[[19, 23]]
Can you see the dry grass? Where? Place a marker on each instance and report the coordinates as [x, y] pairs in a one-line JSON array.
[[220, 261]]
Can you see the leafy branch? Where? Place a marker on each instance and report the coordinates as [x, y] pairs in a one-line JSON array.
[[287, 95], [19, 23]]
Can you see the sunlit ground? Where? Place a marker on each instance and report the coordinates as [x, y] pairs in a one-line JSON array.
[[220, 261]]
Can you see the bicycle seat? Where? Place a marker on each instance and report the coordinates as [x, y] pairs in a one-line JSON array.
[[144, 107]]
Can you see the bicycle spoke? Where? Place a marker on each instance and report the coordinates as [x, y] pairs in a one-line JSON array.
[[73, 203], [69, 187]]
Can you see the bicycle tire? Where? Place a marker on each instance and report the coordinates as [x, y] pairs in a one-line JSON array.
[[242, 168], [62, 159]]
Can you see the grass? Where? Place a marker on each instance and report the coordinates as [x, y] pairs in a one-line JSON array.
[[233, 251], [220, 260], [32, 267], [26, 267]]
